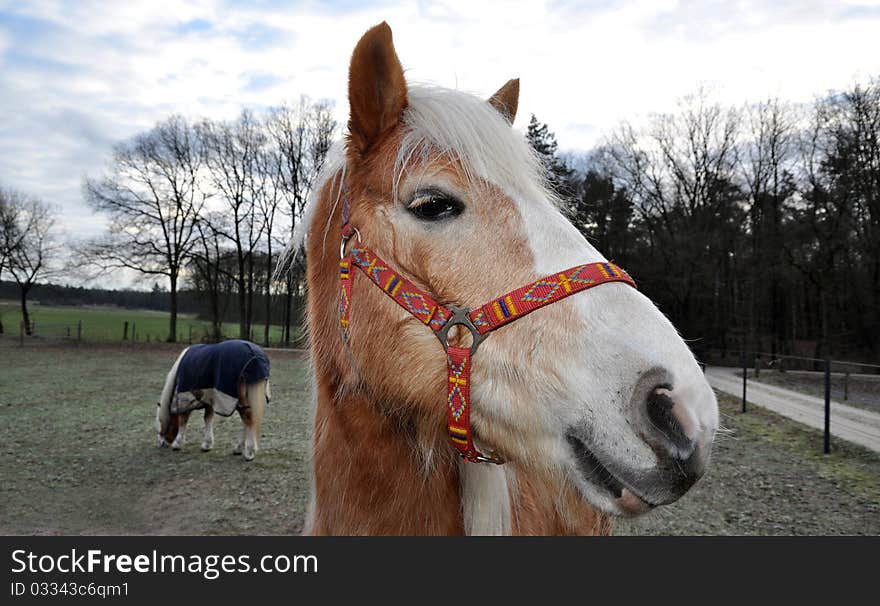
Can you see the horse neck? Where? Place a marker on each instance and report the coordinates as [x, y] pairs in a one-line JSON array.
[[371, 477], [372, 473]]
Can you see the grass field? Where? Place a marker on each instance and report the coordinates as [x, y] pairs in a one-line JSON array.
[[106, 324], [79, 456]]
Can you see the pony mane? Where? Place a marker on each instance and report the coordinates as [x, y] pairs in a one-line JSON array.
[[454, 124]]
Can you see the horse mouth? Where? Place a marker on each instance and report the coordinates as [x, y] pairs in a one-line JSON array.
[[595, 472]]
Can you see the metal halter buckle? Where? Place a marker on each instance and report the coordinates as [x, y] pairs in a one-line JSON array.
[[460, 316], [345, 240]]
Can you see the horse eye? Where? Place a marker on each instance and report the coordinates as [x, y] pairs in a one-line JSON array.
[[435, 206]]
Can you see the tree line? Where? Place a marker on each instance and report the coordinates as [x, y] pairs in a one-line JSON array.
[[753, 227]]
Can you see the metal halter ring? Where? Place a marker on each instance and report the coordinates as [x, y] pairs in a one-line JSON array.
[[460, 316], [345, 240], [492, 458]]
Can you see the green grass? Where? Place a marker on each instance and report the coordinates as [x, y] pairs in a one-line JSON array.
[[106, 324]]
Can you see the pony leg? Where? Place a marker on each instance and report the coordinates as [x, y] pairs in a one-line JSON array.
[[242, 412], [208, 436], [181, 432], [253, 418]]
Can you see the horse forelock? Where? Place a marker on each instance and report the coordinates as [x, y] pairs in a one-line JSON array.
[[474, 136]]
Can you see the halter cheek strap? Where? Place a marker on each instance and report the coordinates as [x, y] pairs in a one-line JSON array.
[[479, 321]]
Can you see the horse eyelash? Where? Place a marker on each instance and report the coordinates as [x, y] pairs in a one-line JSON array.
[[423, 196]]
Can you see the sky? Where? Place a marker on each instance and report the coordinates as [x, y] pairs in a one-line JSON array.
[[76, 77]]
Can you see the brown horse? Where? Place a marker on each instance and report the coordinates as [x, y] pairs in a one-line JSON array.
[[595, 403]]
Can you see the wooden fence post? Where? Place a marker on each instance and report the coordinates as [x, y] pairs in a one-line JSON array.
[[79, 330], [125, 331]]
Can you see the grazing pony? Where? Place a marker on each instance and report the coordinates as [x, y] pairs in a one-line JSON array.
[[579, 410], [222, 378]]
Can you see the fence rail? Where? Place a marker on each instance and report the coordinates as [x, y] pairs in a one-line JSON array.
[[754, 359], [778, 360]]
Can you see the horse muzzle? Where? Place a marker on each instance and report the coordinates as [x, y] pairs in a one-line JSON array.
[[673, 424], [634, 492]]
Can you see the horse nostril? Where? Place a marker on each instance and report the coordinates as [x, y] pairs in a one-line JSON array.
[[660, 411]]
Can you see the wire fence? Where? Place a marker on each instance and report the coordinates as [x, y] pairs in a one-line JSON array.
[[783, 362], [807, 375], [50, 330], [130, 331]]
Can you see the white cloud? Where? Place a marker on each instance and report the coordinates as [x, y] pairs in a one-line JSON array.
[[78, 76]]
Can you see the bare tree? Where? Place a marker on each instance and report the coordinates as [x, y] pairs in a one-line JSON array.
[[832, 235], [680, 174], [270, 165], [212, 270], [767, 165], [852, 168], [232, 149], [12, 205], [302, 134], [153, 199], [33, 246]]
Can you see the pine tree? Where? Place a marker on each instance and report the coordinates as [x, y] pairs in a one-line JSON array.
[[559, 175]]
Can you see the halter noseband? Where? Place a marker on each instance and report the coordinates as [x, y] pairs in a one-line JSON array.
[[480, 321]]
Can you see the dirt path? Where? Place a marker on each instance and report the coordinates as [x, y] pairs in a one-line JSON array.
[[858, 390], [853, 424]]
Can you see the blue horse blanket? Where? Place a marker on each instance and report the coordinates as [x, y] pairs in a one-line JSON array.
[[211, 374]]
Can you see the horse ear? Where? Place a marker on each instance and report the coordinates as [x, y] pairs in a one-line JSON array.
[[376, 88], [506, 100]]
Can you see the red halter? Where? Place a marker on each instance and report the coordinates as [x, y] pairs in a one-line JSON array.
[[479, 321]]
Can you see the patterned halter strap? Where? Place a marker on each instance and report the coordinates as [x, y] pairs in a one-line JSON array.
[[480, 321]]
